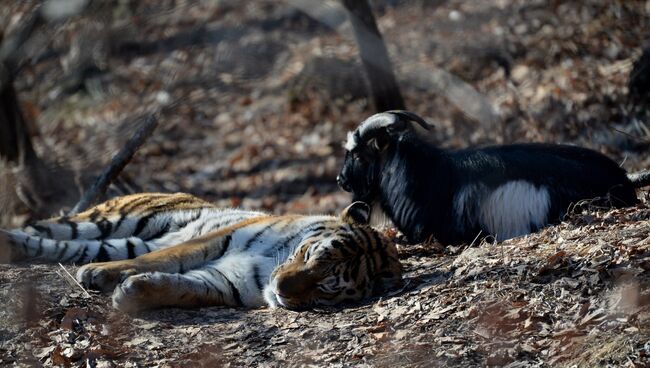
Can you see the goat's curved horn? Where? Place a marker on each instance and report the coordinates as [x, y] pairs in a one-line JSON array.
[[412, 117], [392, 121], [376, 123]]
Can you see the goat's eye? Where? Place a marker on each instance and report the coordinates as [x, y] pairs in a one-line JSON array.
[[359, 157]]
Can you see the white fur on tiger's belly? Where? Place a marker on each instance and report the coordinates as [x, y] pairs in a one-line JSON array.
[[510, 210]]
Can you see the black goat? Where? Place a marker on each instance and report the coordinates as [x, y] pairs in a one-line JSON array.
[[505, 191]]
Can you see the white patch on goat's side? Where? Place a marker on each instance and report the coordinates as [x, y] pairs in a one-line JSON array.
[[351, 143], [511, 209]]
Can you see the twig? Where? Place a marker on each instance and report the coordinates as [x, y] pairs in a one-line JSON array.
[[118, 162], [633, 137], [75, 280]]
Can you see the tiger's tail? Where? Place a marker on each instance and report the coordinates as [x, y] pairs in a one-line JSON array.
[[16, 245]]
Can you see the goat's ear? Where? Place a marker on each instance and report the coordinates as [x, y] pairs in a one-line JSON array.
[[356, 213], [379, 143]]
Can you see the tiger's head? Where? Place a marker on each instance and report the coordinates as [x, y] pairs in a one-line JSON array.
[[348, 262]]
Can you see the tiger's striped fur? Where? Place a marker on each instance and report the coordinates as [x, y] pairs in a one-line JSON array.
[[177, 250]]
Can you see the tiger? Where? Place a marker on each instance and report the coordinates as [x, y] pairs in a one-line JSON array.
[[155, 250]]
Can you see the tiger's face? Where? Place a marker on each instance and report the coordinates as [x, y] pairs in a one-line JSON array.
[[348, 264]]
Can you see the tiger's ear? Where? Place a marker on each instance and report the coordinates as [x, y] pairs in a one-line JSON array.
[[356, 213]]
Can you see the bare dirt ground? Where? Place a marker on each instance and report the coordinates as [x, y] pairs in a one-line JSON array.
[[269, 95]]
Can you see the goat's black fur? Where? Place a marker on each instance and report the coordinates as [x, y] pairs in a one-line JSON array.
[[390, 162]]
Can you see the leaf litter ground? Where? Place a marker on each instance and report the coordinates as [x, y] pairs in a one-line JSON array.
[[260, 131]]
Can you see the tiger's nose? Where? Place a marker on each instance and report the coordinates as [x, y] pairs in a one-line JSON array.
[[343, 183], [294, 284]]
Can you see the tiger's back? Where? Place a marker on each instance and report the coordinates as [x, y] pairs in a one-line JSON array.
[[175, 249]]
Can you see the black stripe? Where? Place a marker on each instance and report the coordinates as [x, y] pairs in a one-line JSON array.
[[102, 255], [74, 233], [354, 272], [382, 251], [83, 254], [233, 289], [40, 247], [346, 274], [136, 203], [256, 277], [105, 228], [109, 206], [73, 256], [192, 219], [285, 243], [65, 220], [225, 246], [119, 221], [109, 244], [304, 232], [199, 231], [206, 280], [43, 229], [288, 222], [93, 215], [160, 233], [24, 245], [130, 249], [259, 234], [170, 205], [62, 251], [344, 251], [348, 239], [373, 263], [369, 270], [142, 223], [366, 240]]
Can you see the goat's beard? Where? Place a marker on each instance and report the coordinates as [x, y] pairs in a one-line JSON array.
[[378, 218]]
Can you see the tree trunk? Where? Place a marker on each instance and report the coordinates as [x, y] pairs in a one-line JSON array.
[[15, 143], [374, 56], [38, 185]]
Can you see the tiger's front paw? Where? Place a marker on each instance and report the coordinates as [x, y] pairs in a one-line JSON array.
[[138, 292], [104, 276]]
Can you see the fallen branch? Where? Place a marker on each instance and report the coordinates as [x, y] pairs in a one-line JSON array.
[[75, 280], [118, 162]]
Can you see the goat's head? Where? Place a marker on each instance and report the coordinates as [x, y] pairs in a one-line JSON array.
[[366, 148]]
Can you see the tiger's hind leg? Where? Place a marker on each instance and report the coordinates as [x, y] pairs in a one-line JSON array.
[[202, 287], [17, 246]]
